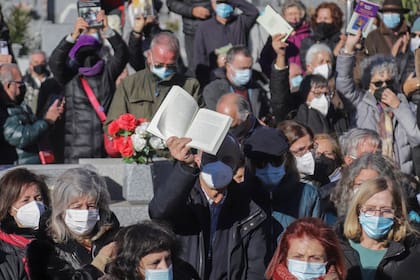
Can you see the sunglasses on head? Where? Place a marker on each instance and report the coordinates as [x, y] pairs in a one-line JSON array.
[[381, 83]]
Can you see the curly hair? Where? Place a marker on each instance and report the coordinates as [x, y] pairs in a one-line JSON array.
[[336, 14], [343, 192], [377, 64], [136, 241]]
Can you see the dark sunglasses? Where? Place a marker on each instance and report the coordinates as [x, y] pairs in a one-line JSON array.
[[161, 65], [380, 83]]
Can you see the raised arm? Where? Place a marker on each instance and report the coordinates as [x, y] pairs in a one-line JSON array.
[[249, 12]]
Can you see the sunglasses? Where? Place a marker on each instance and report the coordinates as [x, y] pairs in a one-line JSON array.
[[381, 83]]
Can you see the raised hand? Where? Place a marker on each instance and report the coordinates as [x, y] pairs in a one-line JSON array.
[[352, 41], [200, 12], [179, 150], [280, 48], [80, 26]]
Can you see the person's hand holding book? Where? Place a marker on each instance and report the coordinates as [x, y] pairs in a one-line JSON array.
[[180, 151], [280, 48], [351, 42], [80, 27]]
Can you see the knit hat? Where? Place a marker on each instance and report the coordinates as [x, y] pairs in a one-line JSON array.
[[393, 6]]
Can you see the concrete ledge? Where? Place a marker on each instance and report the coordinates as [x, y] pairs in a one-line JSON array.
[[131, 186]]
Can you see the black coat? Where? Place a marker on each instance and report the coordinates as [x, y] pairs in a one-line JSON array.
[[83, 130], [397, 257], [239, 239], [69, 260], [11, 267]]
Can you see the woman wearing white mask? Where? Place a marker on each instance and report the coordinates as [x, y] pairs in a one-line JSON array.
[[315, 109], [377, 237], [308, 249], [79, 229], [23, 199], [146, 251]]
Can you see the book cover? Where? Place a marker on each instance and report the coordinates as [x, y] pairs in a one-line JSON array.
[[363, 16], [88, 10], [274, 23], [142, 8]]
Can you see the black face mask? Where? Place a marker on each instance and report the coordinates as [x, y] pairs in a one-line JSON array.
[[324, 167], [415, 98], [378, 92], [22, 92], [297, 24], [324, 30], [41, 69]]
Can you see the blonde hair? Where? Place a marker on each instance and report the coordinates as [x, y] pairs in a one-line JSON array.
[[400, 228]]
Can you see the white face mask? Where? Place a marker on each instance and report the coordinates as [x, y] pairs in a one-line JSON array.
[[28, 215], [81, 222], [321, 104], [159, 274], [216, 174], [305, 164], [414, 43], [324, 70], [306, 270]]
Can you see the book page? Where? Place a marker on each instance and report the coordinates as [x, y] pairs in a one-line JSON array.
[[88, 10], [174, 115], [274, 23], [208, 130], [142, 8], [362, 16]]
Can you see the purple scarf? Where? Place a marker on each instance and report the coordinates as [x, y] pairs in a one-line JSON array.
[[92, 71]]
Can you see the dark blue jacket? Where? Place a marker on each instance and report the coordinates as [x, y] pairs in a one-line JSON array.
[[239, 239]]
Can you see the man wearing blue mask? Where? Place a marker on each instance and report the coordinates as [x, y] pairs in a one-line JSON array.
[[239, 79], [218, 224], [272, 179], [392, 28], [222, 28], [142, 93]]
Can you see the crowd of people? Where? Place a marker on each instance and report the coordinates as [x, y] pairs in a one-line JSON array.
[[317, 178]]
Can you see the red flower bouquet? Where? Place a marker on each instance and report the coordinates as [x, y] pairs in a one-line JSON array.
[[132, 140]]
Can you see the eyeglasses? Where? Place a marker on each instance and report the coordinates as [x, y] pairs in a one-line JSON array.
[[161, 65], [381, 83], [384, 211], [19, 83]]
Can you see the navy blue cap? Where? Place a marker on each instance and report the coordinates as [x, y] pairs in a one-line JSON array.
[[265, 142]]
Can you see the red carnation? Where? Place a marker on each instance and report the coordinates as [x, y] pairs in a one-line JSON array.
[[113, 128], [142, 120], [127, 122], [125, 146]]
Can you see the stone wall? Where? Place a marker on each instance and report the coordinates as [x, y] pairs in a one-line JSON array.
[[130, 185]]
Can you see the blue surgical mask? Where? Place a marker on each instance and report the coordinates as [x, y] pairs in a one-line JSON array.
[[159, 274], [162, 72], [306, 270], [296, 81], [270, 176], [241, 76], [391, 20], [374, 226], [224, 10]]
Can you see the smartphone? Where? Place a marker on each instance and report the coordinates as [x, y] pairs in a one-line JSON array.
[[4, 48]]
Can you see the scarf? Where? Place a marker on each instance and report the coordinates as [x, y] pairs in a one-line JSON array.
[[94, 70], [386, 131]]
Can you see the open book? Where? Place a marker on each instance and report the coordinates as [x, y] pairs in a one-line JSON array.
[[274, 23], [88, 10], [179, 115], [363, 17]]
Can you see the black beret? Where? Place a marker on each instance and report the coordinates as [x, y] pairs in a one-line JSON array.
[[265, 142]]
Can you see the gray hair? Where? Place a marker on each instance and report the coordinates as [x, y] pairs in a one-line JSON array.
[[293, 3], [377, 64], [343, 192], [167, 39], [350, 140], [231, 54], [38, 52], [6, 74], [316, 48], [73, 183], [244, 109]]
